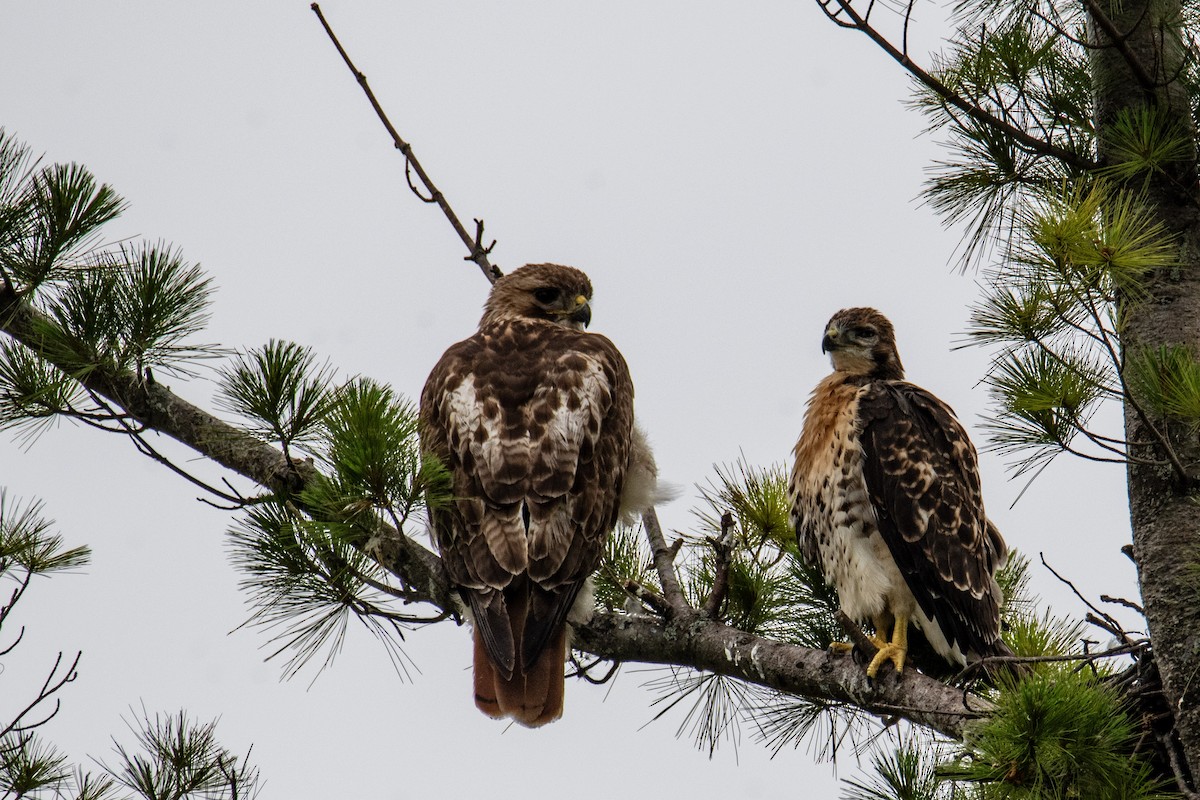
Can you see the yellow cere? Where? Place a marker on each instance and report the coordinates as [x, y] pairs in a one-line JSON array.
[[580, 300]]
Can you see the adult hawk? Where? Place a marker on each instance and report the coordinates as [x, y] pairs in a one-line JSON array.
[[886, 502], [533, 418]]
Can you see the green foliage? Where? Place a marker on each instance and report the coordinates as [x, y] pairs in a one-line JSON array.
[[909, 772], [1143, 142], [812, 603], [128, 310], [29, 766], [1042, 400], [755, 599], [16, 166], [626, 558], [1096, 240], [180, 759], [1013, 579], [1016, 68], [48, 216], [1060, 734], [1052, 308], [1168, 379], [32, 391], [1020, 308], [370, 442], [123, 308], [89, 786], [305, 558], [278, 389], [783, 720], [306, 579], [713, 705], [769, 592], [1030, 635], [757, 498], [1029, 631], [26, 541]]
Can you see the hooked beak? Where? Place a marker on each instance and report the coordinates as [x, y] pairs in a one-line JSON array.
[[829, 342], [583, 311]]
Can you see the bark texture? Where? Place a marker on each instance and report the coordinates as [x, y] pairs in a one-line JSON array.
[[1139, 68]]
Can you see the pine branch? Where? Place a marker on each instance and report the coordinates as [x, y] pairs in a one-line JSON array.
[[1121, 42], [156, 407], [835, 9], [692, 641]]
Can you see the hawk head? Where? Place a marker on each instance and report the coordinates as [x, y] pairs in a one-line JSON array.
[[549, 292], [861, 341]]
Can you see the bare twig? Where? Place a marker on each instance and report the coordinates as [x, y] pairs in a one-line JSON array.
[[1099, 618], [53, 683], [664, 563], [855, 632], [723, 548], [1121, 601], [584, 670], [650, 597], [1036, 145], [1121, 42], [479, 254]]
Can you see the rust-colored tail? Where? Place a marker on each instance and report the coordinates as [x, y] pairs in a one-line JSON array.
[[533, 696]]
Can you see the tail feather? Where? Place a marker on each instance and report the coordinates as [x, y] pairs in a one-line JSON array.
[[532, 694], [486, 697], [538, 698]]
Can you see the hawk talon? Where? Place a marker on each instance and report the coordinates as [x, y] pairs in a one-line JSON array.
[[895, 651], [889, 652]]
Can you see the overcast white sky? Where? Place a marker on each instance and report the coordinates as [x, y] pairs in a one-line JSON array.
[[729, 174]]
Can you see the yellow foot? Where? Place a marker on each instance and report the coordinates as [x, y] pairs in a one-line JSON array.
[[894, 653], [846, 647]]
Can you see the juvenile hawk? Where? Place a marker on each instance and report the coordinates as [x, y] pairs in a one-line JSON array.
[[886, 501], [533, 417]]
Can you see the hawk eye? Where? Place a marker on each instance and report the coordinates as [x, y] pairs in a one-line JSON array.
[[864, 332], [546, 295]]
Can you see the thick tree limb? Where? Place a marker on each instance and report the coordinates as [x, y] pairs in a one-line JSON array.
[[693, 641]]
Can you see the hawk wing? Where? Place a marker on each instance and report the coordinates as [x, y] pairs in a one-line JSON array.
[[534, 423], [922, 475]]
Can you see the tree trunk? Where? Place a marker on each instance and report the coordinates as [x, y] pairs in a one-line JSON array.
[[1137, 71]]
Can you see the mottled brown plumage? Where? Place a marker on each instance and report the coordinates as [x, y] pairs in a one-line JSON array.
[[886, 501], [533, 417]]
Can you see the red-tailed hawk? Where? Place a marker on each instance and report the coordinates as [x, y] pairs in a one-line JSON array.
[[886, 502], [533, 417]]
